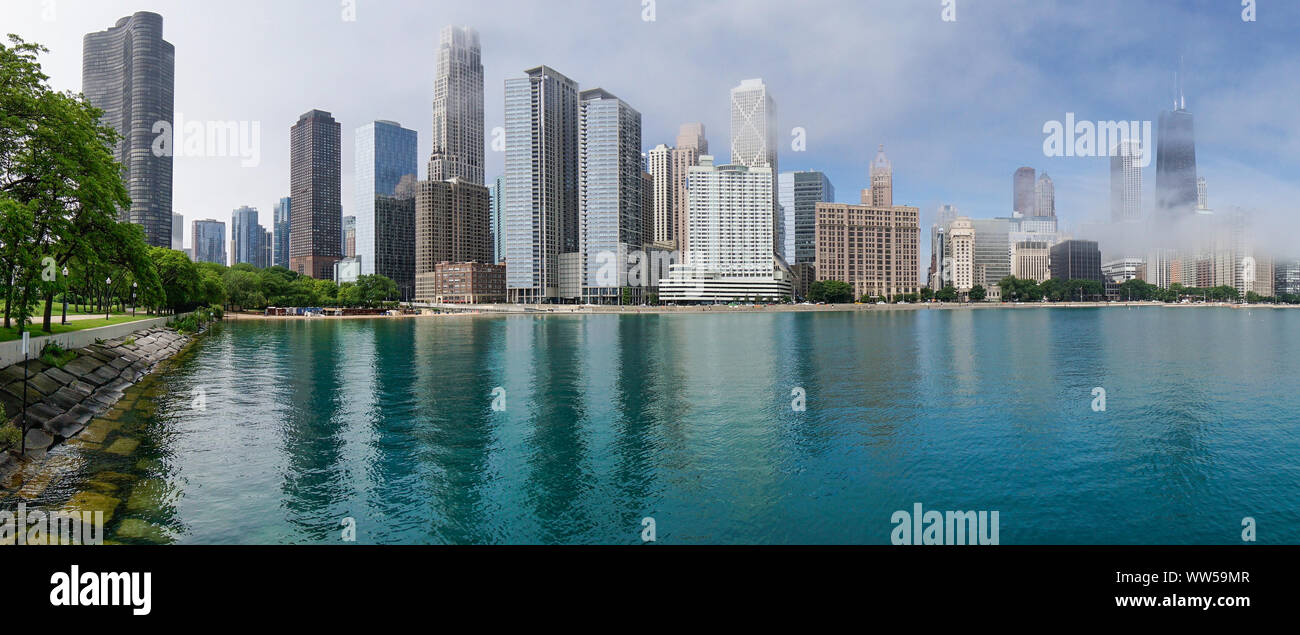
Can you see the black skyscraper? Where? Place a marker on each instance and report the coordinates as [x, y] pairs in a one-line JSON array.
[[1175, 164]]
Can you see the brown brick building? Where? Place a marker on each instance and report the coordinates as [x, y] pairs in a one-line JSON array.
[[874, 249], [462, 283]]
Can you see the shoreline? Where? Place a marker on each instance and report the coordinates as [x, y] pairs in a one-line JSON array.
[[449, 311]]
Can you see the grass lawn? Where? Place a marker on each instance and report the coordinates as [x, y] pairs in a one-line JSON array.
[[11, 333]]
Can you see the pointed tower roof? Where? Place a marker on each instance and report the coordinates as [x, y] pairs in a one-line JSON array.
[[881, 162]]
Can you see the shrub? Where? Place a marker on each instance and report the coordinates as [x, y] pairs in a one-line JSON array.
[[55, 355]]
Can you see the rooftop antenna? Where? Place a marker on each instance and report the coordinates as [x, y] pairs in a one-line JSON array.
[[1182, 99]]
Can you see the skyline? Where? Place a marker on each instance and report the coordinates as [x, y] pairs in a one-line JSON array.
[[961, 149]]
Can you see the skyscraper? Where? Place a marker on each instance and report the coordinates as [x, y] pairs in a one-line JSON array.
[[1023, 192], [458, 108], [129, 72], [961, 238], [875, 250], [731, 229], [992, 250], [280, 252], [498, 220], [246, 237], [178, 232], [350, 236], [610, 218], [1202, 194], [386, 154], [800, 192], [1126, 181], [209, 238], [395, 235], [753, 135], [452, 225], [315, 237], [1176, 162], [541, 181], [659, 162], [881, 192], [1044, 197], [691, 145], [1076, 260]]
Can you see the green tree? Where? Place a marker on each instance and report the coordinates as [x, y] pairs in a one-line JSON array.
[[978, 293], [830, 291], [946, 294]]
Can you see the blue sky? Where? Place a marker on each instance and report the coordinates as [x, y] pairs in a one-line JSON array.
[[959, 105]]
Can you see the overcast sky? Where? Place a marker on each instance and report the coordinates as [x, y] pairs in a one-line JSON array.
[[959, 105]]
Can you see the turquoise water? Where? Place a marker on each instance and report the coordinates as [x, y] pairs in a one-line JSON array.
[[688, 419]]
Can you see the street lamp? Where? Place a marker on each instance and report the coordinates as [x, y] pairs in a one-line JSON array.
[[108, 286], [65, 295], [133, 299]]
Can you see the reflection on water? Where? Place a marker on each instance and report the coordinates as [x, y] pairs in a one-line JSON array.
[[274, 432]]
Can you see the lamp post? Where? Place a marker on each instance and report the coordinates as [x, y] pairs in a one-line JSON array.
[[108, 287], [65, 296], [133, 284]]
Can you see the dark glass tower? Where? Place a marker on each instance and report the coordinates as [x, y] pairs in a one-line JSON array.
[[316, 217], [1023, 193], [129, 72], [1175, 164]]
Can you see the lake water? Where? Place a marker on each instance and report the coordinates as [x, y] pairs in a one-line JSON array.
[[274, 432]]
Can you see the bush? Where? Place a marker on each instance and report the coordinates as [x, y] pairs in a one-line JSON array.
[[10, 435], [55, 355]]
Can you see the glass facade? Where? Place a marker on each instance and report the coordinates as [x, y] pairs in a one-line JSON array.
[[799, 194], [386, 152], [280, 251]]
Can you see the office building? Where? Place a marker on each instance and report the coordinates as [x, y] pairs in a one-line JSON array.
[[1044, 197], [881, 192], [1176, 186], [316, 218], [1076, 260], [458, 108], [246, 237], [1126, 181], [452, 225], [799, 193], [350, 236], [386, 159], [541, 182], [1023, 200], [280, 251], [961, 239], [498, 220], [178, 232], [992, 258], [1030, 260], [754, 137], [465, 283], [876, 250], [209, 240], [129, 72], [659, 163], [610, 217], [691, 145]]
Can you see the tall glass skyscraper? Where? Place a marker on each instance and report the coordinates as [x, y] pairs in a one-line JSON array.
[[1023, 191], [800, 192], [386, 153], [610, 221], [1176, 163], [129, 72], [541, 181], [246, 237], [1126, 181], [209, 241], [280, 251]]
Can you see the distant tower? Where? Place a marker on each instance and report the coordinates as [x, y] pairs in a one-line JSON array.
[[753, 136], [691, 145], [1126, 181], [1202, 194], [1023, 194], [1045, 197], [316, 220], [1176, 160], [881, 177]]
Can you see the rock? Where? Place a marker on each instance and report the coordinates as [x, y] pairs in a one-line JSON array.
[[136, 529], [43, 384], [12, 373], [93, 502], [64, 426], [39, 440], [81, 366], [118, 385], [104, 375], [57, 374], [119, 363], [40, 414], [16, 390], [81, 414], [105, 397], [65, 399], [81, 388], [36, 366], [123, 447]]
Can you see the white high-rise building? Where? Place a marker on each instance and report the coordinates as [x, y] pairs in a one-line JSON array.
[[961, 236], [609, 195], [178, 231], [659, 163], [1126, 181], [458, 108], [731, 256], [754, 136], [541, 182]]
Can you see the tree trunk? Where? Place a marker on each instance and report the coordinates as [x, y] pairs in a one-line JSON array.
[[49, 308]]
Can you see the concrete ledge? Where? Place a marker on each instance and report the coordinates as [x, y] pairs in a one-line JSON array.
[[12, 352]]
